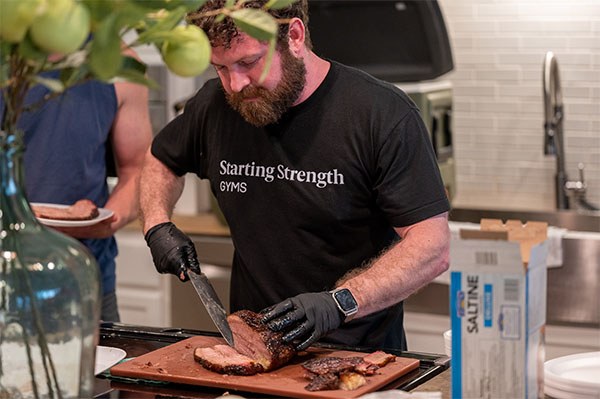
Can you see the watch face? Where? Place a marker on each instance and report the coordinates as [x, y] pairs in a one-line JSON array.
[[346, 301]]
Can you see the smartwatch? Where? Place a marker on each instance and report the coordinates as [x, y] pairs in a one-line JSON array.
[[345, 302]]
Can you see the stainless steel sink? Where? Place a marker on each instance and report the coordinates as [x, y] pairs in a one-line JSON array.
[[573, 291]]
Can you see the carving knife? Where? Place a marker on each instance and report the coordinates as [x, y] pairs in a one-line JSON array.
[[213, 305]]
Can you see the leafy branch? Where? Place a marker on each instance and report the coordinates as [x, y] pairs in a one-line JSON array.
[[86, 39]]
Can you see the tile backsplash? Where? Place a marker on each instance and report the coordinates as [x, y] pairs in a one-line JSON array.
[[499, 48]]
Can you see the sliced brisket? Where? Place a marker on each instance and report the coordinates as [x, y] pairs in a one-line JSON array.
[[81, 210], [257, 348], [336, 365], [379, 358], [323, 382], [226, 360], [345, 373]]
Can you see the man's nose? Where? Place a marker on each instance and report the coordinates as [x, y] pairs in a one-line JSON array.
[[238, 80]]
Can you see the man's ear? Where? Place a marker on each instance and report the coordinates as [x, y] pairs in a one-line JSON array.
[[296, 36]]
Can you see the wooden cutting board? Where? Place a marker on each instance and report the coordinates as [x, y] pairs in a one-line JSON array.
[[175, 363]]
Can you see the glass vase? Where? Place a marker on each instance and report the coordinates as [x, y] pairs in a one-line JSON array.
[[49, 297]]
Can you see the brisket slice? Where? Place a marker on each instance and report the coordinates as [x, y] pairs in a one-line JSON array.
[[343, 372], [226, 360], [379, 358], [336, 365], [83, 209], [346, 380], [323, 382], [257, 348]]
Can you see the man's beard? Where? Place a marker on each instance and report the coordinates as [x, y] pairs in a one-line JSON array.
[[268, 106]]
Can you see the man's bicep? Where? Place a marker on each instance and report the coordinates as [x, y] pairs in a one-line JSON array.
[[435, 226], [132, 130]]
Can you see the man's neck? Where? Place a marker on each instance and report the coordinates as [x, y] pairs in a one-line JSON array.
[[316, 70]]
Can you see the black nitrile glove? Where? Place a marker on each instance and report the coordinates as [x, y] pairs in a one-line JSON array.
[[306, 317], [172, 251]]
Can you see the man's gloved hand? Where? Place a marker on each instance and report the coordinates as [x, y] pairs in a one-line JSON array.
[[306, 317], [172, 251]]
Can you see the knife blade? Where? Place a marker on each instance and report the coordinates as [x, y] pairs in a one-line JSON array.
[[213, 304]]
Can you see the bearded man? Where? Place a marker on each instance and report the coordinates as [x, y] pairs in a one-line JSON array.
[[326, 177]]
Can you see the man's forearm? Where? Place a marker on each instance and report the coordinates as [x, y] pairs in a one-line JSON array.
[[404, 268], [160, 189], [124, 198]]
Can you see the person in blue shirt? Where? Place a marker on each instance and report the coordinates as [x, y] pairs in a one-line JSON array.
[[66, 142]]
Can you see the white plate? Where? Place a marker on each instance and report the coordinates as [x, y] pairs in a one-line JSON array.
[[574, 389], [106, 357], [578, 373], [103, 215], [556, 393]]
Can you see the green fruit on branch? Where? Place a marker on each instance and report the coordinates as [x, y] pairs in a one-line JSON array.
[[16, 17], [188, 52], [62, 28]]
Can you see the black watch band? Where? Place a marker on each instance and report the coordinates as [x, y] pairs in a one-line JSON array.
[[345, 302]]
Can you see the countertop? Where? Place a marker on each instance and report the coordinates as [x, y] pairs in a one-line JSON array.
[[439, 383]]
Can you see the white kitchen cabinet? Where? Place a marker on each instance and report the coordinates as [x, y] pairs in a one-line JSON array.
[[143, 294], [146, 297], [424, 333]]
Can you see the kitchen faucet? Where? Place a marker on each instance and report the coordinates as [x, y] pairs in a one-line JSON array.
[[553, 137]]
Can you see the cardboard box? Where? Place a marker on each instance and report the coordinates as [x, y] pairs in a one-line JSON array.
[[498, 310]]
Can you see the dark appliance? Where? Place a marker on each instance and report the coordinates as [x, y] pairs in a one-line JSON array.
[[396, 41]]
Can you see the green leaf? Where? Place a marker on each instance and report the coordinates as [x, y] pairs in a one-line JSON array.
[[133, 64], [100, 9], [130, 16], [169, 4], [155, 32], [229, 3], [255, 23], [71, 76], [73, 60], [105, 57], [277, 4], [54, 85], [134, 76], [272, 44]]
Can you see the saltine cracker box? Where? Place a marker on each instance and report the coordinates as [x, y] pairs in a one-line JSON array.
[[498, 310]]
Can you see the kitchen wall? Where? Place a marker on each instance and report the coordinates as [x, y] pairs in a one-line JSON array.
[[499, 47]]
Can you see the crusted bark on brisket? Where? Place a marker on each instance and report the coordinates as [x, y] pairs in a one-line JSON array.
[[257, 348], [336, 365], [323, 382], [251, 337]]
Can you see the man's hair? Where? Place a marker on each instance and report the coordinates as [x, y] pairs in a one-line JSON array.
[[222, 33]]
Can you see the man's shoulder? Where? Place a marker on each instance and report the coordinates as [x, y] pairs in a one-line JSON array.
[[210, 94], [369, 87]]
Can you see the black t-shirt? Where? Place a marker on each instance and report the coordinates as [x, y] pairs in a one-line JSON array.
[[315, 195]]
